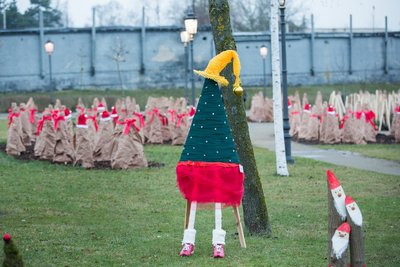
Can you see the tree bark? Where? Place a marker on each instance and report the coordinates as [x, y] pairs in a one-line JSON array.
[[254, 206], [280, 155]]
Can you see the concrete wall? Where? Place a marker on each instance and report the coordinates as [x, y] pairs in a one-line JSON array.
[[164, 58]]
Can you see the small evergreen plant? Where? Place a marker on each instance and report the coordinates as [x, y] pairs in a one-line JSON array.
[[12, 257]]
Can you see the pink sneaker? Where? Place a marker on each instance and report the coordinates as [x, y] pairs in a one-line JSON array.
[[187, 250], [219, 251]]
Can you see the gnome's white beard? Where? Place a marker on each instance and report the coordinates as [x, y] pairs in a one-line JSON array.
[[340, 202], [355, 215], [339, 244]]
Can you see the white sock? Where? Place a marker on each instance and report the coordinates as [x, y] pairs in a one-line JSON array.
[[189, 236], [218, 237]]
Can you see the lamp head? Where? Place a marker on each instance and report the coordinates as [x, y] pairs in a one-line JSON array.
[[190, 21], [185, 37], [49, 47], [263, 51]]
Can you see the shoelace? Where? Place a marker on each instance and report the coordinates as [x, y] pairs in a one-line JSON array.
[[218, 247]]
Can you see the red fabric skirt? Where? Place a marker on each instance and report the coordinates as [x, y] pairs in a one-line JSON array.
[[207, 182]]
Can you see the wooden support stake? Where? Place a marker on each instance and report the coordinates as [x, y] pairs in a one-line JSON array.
[[239, 227], [187, 213]]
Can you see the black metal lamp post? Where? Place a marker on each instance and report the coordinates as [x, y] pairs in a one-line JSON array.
[[286, 125], [191, 29], [263, 54], [185, 39], [49, 48]]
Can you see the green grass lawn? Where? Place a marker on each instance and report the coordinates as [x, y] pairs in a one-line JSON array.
[[68, 216], [69, 97], [380, 151]]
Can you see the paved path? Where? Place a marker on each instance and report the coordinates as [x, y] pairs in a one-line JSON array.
[[262, 135]]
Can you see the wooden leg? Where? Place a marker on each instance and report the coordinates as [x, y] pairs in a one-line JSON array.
[[239, 227], [187, 213]]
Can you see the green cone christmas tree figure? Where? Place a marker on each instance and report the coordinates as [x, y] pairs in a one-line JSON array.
[[12, 257], [209, 169]]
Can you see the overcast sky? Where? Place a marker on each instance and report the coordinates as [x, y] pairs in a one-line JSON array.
[[327, 13]]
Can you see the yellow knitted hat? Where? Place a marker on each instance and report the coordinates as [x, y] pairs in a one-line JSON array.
[[218, 63]]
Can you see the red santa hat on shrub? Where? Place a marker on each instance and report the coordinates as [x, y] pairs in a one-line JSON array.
[[114, 113], [354, 211], [340, 240], [67, 113], [101, 107], [289, 103], [338, 195], [82, 121], [307, 108], [105, 116], [331, 110], [192, 111]]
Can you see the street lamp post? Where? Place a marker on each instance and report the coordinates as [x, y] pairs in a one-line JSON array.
[[49, 48], [286, 125], [191, 28], [185, 39], [263, 54]]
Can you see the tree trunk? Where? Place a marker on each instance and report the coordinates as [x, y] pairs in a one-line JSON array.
[[254, 206], [281, 166]]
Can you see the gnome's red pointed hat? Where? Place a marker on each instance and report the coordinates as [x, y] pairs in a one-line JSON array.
[[349, 200], [344, 227], [209, 170], [332, 180]]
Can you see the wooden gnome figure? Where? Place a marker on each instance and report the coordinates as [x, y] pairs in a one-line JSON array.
[[340, 243], [209, 170], [12, 258], [355, 219], [336, 214], [337, 192]]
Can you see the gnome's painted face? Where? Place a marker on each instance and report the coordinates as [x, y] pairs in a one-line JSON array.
[[340, 242], [339, 198], [354, 213]]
